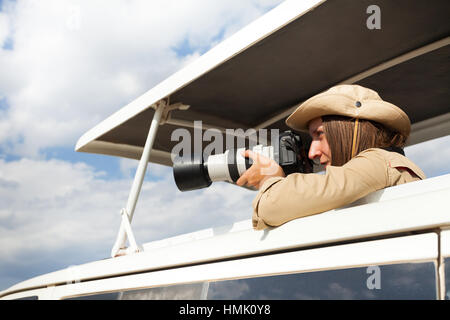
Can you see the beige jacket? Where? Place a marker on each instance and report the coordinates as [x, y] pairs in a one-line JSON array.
[[298, 195]]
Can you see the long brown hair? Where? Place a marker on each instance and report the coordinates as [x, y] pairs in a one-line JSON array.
[[339, 133]]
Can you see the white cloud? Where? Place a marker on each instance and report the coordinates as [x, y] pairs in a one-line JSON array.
[[127, 166], [43, 197], [47, 203], [49, 207], [74, 63], [431, 156]]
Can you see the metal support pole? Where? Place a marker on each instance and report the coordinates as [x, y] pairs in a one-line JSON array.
[[440, 271], [128, 212]]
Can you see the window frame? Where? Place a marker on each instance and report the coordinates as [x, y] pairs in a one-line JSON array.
[[405, 249], [444, 254]]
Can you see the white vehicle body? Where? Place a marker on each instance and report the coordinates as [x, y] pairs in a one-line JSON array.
[[405, 227]]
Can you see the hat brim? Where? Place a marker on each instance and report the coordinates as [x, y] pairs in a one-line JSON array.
[[379, 111]]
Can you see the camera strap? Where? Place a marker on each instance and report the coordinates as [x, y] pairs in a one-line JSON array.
[[354, 143], [355, 134]]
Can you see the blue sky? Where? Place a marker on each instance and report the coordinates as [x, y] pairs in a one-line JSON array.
[[67, 65]]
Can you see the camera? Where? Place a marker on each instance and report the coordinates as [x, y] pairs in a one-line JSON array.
[[290, 152]]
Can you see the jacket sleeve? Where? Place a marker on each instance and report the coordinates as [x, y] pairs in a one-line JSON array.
[[298, 195]]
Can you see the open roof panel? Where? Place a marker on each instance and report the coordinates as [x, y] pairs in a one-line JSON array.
[[256, 78]]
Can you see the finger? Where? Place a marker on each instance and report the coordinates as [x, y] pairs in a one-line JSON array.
[[242, 180], [249, 154]]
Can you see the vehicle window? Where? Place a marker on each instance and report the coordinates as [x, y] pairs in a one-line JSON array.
[[401, 281], [28, 298], [100, 296], [194, 291]]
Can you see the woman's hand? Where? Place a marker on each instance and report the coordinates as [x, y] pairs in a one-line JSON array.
[[262, 169]]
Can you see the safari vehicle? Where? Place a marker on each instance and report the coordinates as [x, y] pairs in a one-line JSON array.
[[392, 244]]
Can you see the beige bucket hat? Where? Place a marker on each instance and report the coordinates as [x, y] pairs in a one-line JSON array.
[[353, 101]]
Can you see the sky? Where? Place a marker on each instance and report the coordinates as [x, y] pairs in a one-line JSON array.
[[64, 67]]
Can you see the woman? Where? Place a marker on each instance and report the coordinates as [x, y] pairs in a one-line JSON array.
[[357, 136]]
